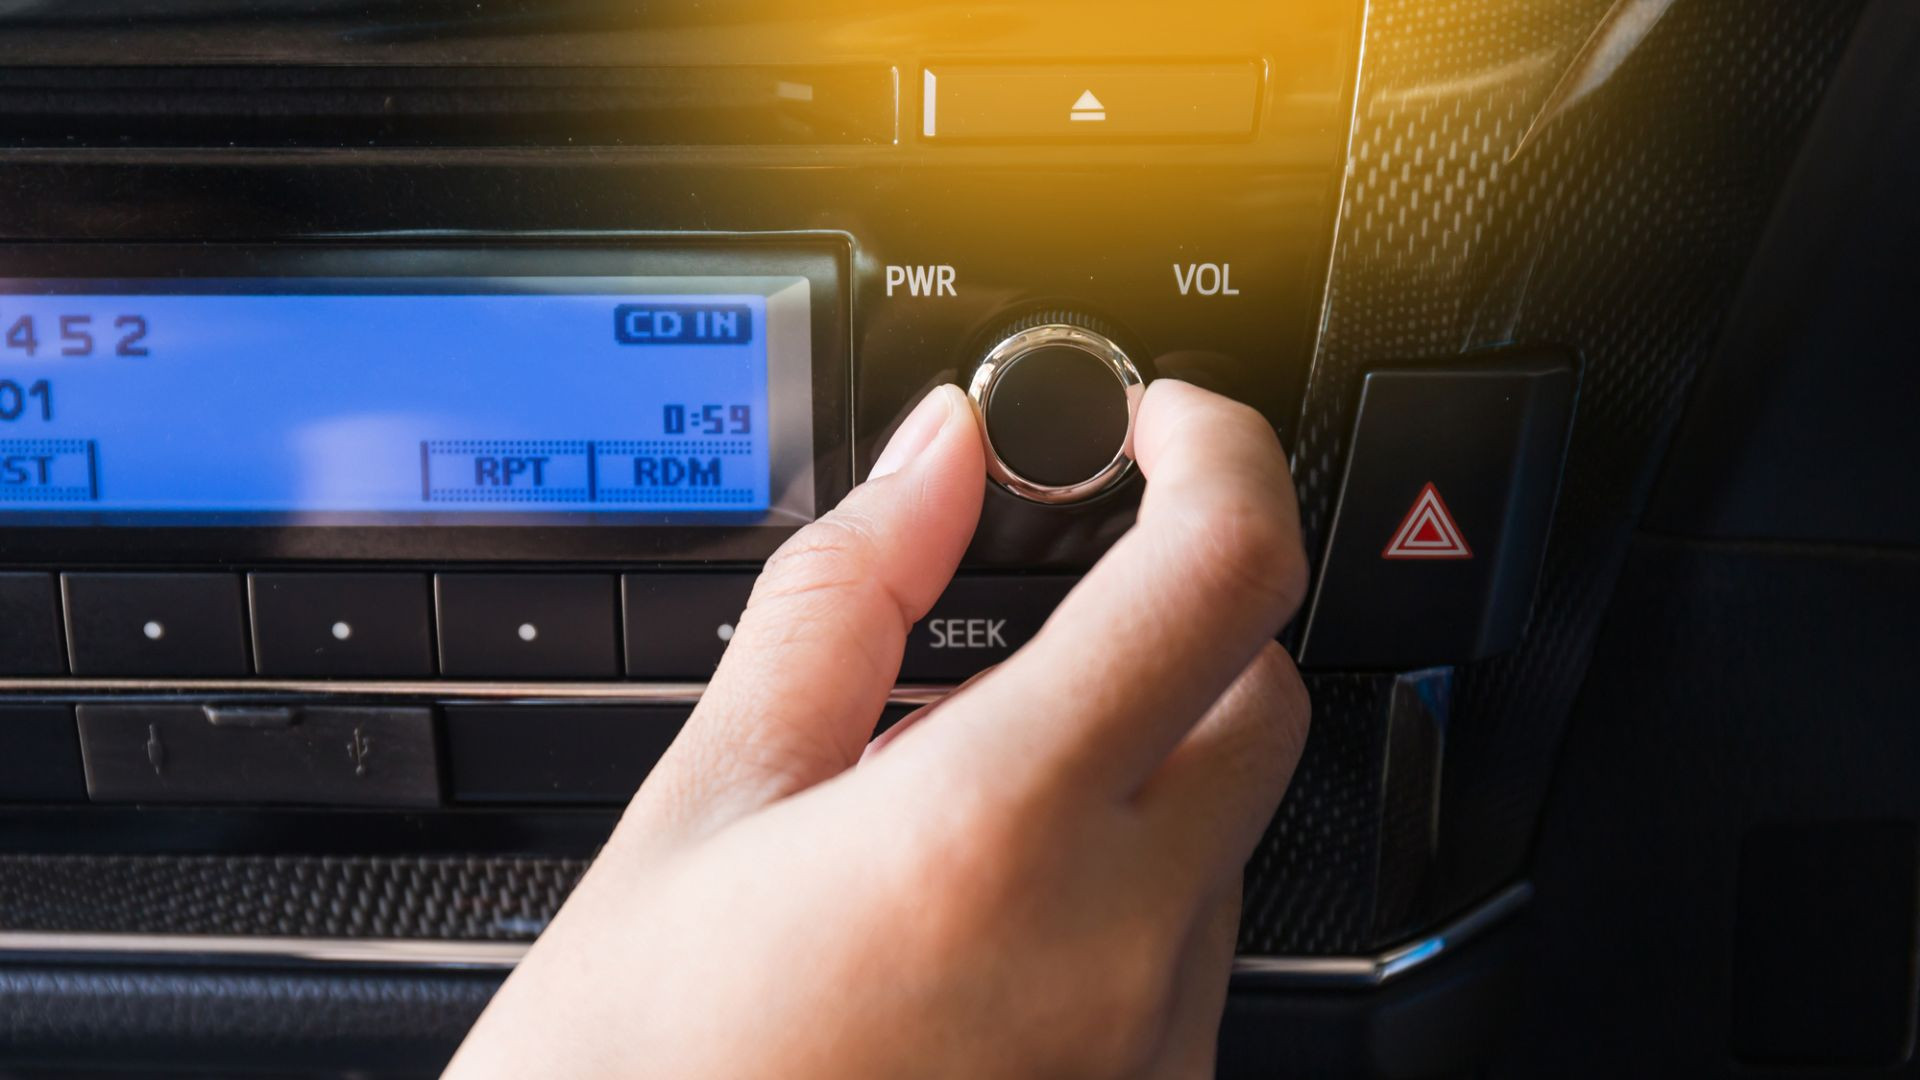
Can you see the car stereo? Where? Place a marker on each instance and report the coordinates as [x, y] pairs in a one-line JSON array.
[[431, 468]]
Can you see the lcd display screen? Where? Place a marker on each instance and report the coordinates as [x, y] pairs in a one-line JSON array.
[[473, 400]]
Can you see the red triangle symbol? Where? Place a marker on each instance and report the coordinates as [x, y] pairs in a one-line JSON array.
[[1428, 531]]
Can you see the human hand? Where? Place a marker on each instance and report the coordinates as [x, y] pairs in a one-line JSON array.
[[1038, 876]]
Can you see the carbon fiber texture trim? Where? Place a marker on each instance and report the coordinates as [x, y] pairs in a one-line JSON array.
[[1309, 887], [502, 899], [1622, 232]]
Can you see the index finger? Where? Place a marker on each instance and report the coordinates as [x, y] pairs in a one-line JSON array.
[[1163, 624]]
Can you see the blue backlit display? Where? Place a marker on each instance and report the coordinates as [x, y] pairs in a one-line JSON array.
[[484, 397]]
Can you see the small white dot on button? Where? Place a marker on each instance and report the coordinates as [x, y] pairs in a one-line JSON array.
[[528, 631], [342, 631], [154, 631], [724, 631]]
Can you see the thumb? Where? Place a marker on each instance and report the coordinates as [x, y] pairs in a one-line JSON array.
[[818, 649]]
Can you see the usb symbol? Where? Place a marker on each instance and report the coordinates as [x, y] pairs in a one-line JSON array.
[[156, 754], [359, 748]]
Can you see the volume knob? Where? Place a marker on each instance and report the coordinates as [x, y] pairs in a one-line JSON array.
[[1057, 400]]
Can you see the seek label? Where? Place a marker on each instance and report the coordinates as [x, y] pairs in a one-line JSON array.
[[981, 620], [968, 633]]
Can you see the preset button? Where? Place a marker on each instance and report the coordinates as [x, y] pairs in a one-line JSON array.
[[341, 624], [155, 624], [541, 626], [678, 625], [29, 626]]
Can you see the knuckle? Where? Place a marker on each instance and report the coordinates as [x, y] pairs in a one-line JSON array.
[[1249, 544], [981, 844], [826, 569], [1247, 420], [1285, 709], [963, 873], [832, 553]]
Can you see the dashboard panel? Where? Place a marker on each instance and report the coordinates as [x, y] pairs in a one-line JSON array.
[[397, 401]]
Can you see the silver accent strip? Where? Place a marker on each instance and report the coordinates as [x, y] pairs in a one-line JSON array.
[[929, 101], [1362, 972], [685, 693], [1341, 201], [40, 947], [1002, 358], [895, 71]]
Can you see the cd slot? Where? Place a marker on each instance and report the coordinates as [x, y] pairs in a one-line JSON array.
[[259, 107]]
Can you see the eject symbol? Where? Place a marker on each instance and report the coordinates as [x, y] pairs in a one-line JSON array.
[[1428, 531]]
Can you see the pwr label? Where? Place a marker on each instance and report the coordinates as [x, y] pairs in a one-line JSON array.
[[936, 280]]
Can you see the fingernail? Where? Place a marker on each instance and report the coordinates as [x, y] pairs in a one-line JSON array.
[[915, 433]]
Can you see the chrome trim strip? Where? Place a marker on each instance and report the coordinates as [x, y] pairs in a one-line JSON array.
[[1340, 201], [450, 690], [1314, 362], [1363, 972], [1003, 357], [42, 947], [929, 100]]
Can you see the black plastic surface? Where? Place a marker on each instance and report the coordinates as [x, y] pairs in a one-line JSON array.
[[1824, 944], [678, 625], [1442, 1020], [40, 755], [555, 754], [1748, 717], [94, 1020], [341, 624], [541, 626], [155, 624], [486, 105], [1737, 687], [30, 631], [1803, 427], [311, 754], [1441, 523], [1057, 416], [979, 621]]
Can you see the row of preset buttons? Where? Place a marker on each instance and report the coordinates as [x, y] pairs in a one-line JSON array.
[[488, 626]]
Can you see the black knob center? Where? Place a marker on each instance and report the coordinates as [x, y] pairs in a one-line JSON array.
[[1057, 415]]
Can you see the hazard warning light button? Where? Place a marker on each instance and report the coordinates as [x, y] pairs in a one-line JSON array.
[[1442, 518]]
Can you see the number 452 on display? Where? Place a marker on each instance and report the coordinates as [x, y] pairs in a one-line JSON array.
[[75, 335]]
